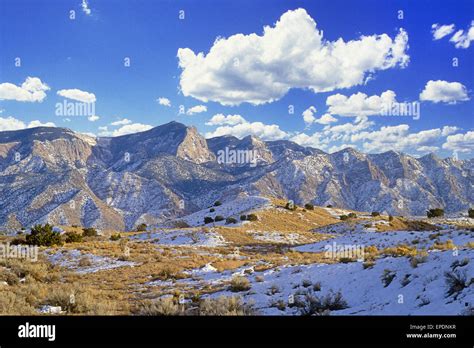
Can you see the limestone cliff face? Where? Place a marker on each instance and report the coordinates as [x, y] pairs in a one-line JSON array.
[[194, 148]]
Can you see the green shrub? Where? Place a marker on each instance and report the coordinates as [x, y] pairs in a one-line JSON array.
[[280, 304], [457, 263], [159, 307], [416, 260], [239, 283], [252, 217], [225, 306], [141, 227], [406, 280], [290, 206], [231, 220], [208, 220], [212, 210], [17, 241], [89, 232], [390, 218], [375, 213], [309, 206], [310, 304], [456, 282], [274, 289], [346, 259], [470, 213], [352, 215], [43, 236], [436, 212], [387, 277], [343, 217], [243, 217], [180, 224], [317, 286], [219, 218], [368, 264], [73, 237], [217, 203], [115, 237], [329, 206]]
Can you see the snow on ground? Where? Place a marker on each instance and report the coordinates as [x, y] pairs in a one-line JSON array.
[[414, 291], [278, 237], [47, 309], [420, 239], [206, 275], [203, 270], [241, 205], [182, 237], [85, 263]]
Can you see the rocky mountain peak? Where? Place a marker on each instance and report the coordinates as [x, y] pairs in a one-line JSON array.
[[194, 147]]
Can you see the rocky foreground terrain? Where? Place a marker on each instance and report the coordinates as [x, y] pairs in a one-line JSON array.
[[300, 261]]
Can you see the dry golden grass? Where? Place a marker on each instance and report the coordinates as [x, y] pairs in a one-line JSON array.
[[470, 245], [284, 220], [403, 224], [39, 283], [400, 250], [159, 306], [448, 245], [239, 283], [225, 306], [299, 222]]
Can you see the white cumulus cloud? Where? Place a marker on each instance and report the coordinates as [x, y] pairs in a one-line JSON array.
[[360, 104], [359, 134], [32, 90], [462, 39], [85, 7], [460, 142], [125, 129], [77, 94], [37, 123], [93, 118], [291, 54], [444, 91], [221, 119], [427, 149], [308, 115], [164, 101], [121, 122], [11, 123], [196, 109], [131, 128], [326, 119], [242, 129], [447, 130], [440, 31]]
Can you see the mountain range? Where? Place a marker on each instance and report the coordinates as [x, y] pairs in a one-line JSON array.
[[56, 175]]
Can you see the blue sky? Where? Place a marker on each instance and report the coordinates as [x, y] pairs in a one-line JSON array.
[[255, 78]]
